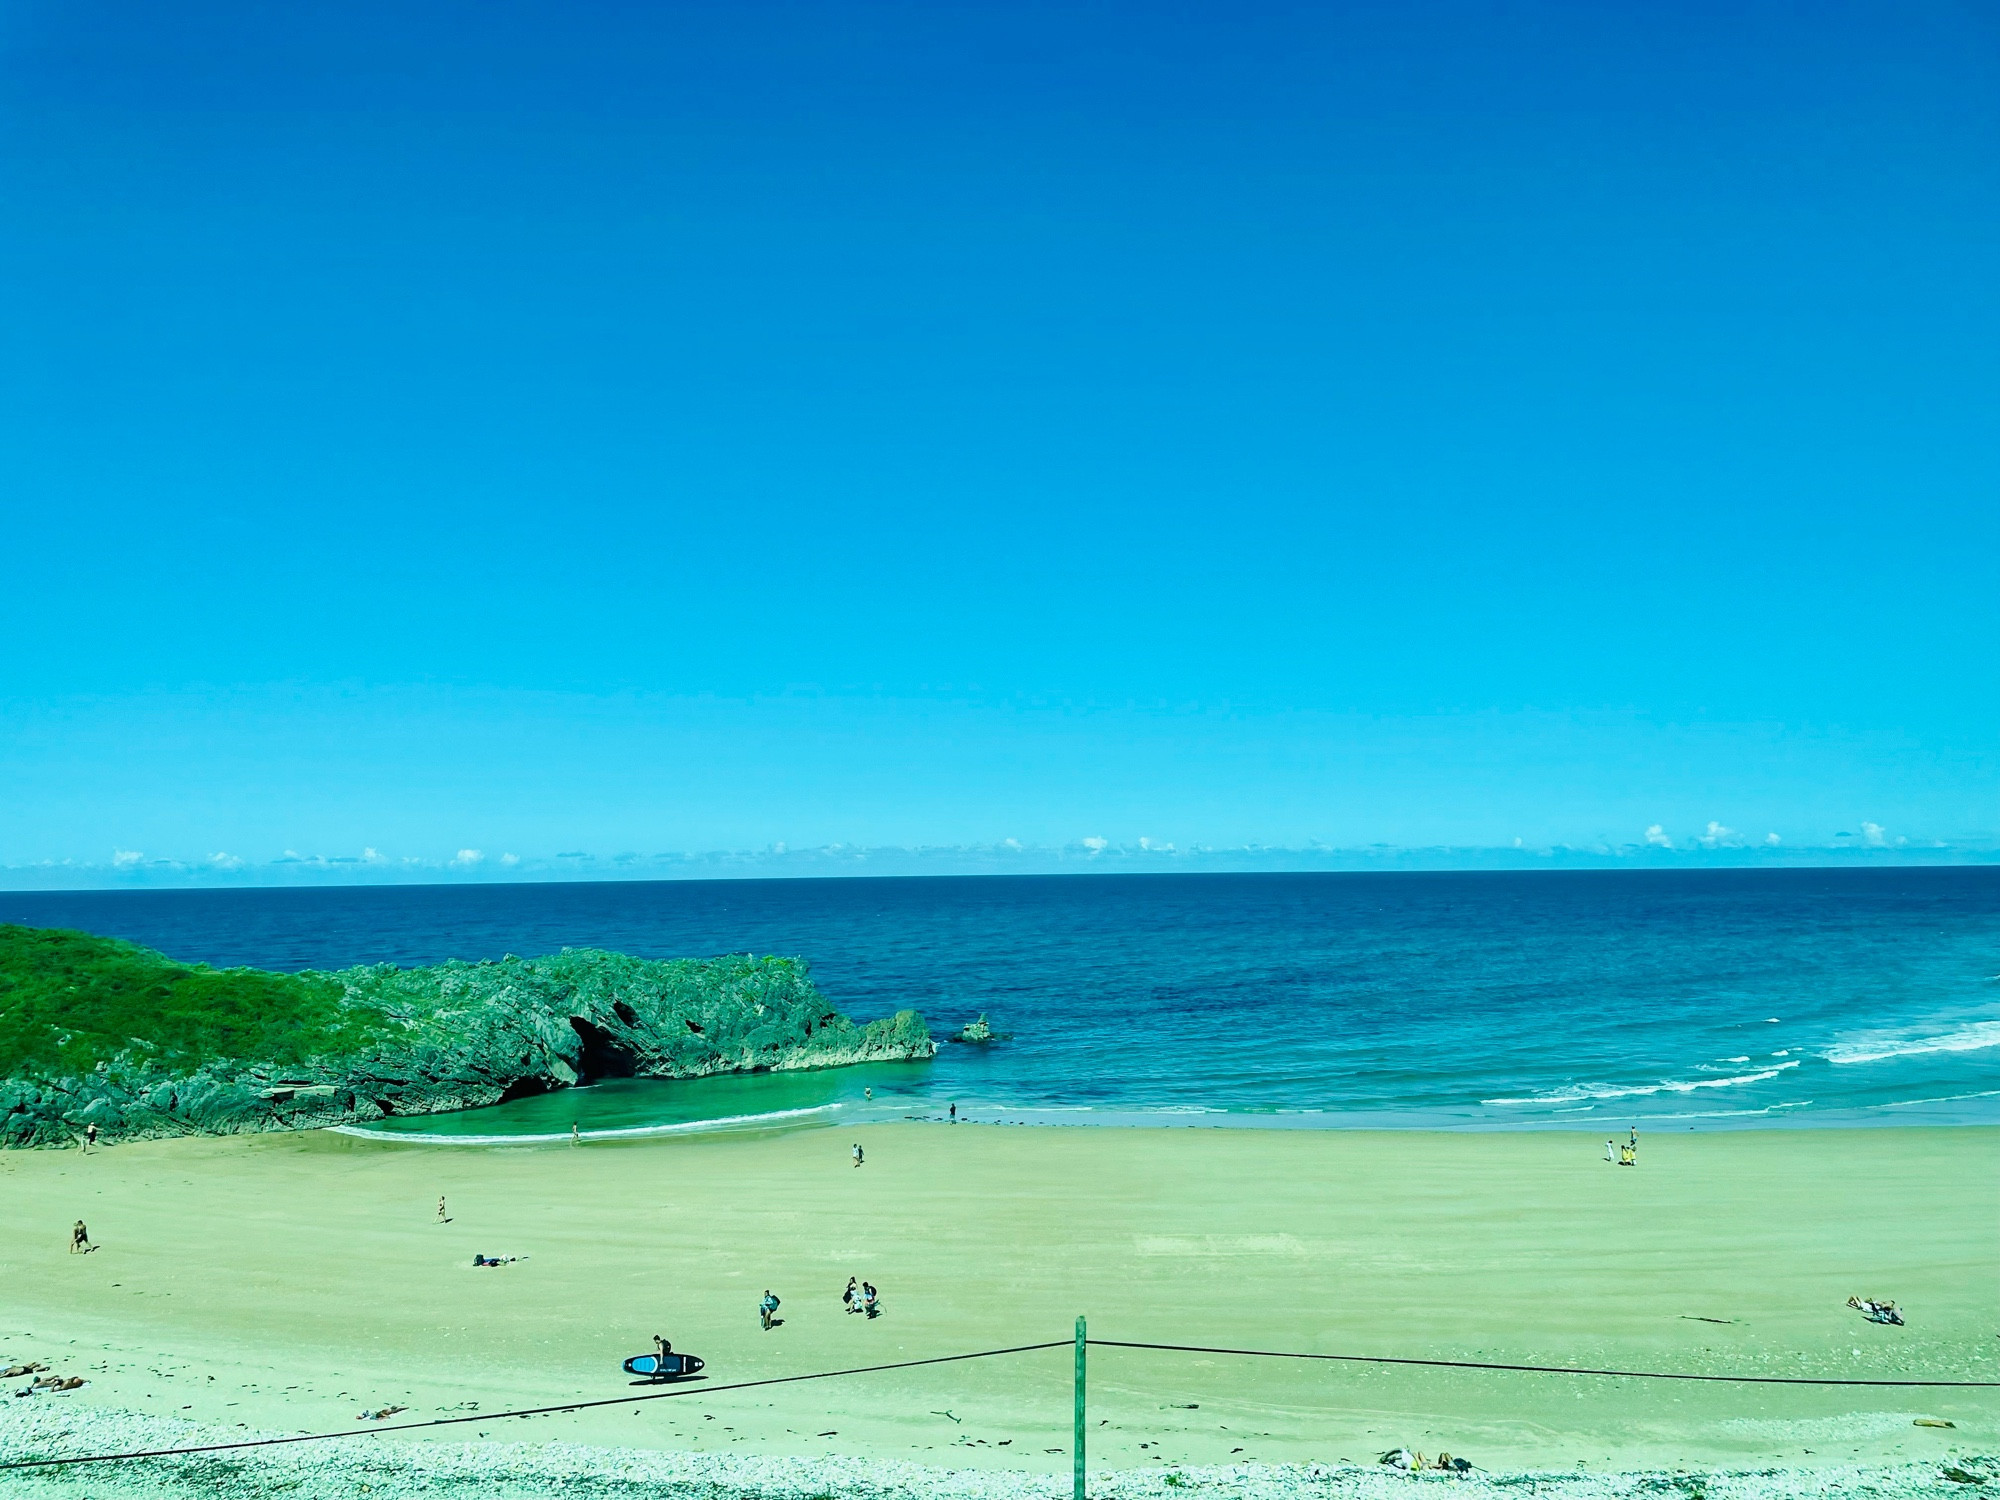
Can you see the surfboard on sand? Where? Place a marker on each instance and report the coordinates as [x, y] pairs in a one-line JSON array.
[[654, 1368]]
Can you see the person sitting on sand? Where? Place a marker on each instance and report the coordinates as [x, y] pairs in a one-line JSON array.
[[766, 1308], [1627, 1157], [79, 1240], [871, 1300]]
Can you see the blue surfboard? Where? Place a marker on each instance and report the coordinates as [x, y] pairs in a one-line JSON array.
[[654, 1368]]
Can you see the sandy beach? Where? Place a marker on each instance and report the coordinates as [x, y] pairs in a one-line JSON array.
[[286, 1283]]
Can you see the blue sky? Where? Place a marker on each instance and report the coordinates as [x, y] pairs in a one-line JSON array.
[[602, 429]]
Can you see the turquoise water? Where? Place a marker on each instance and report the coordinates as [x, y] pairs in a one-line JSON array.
[[636, 1107], [1592, 1000]]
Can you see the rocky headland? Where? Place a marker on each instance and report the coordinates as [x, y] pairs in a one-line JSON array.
[[98, 1032]]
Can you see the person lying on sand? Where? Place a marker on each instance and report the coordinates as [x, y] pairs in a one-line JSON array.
[[380, 1413], [34, 1367], [495, 1260], [1876, 1312], [53, 1383]]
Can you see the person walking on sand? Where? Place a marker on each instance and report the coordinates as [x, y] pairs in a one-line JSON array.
[[847, 1297], [857, 1153], [89, 1137], [79, 1240], [441, 1218], [1610, 1150], [575, 1135], [766, 1308]]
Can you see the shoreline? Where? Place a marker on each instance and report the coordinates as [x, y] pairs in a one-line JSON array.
[[1912, 1114]]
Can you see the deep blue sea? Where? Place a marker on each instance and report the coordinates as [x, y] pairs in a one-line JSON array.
[[1593, 1000]]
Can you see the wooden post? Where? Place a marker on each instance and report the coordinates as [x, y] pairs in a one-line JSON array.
[[1076, 1487]]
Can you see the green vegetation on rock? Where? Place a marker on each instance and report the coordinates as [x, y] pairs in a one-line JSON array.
[[69, 1001], [97, 1031]]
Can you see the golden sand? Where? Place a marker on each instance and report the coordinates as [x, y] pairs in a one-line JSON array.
[[289, 1282]]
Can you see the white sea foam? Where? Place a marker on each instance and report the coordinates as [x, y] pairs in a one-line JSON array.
[[1671, 1086], [1881, 1045], [625, 1132]]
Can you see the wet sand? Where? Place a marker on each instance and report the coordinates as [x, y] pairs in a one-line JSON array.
[[285, 1283]]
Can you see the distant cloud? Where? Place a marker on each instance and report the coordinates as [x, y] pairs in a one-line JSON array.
[[1875, 834], [465, 859], [125, 859], [1657, 837], [1096, 845], [371, 856], [223, 861], [510, 859], [1716, 835], [1772, 838]]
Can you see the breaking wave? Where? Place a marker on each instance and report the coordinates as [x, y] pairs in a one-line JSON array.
[[1876, 1048], [621, 1133], [1595, 1091]]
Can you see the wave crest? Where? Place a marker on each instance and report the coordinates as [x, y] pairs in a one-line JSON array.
[[1596, 1091], [1971, 1038]]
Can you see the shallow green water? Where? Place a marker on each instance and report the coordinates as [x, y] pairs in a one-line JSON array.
[[659, 1106]]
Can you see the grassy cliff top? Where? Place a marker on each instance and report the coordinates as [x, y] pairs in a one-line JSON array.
[[70, 1000]]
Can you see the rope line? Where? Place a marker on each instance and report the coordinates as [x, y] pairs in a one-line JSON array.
[[1468, 1364], [533, 1411], [946, 1359]]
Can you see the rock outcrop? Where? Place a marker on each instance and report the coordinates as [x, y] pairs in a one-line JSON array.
[[461, 1035]]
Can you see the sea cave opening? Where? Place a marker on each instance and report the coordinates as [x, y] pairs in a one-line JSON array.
[[603, 1055]]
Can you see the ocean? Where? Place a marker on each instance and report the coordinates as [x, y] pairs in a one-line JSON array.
[[1586, 1000]]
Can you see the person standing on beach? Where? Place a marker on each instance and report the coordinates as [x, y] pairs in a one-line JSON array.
[[575, 1135], [79, 1240], [954, 1111], [1610, 1151], [89, 1137], [441, 1218], [857, 1153], [847, 1297]]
